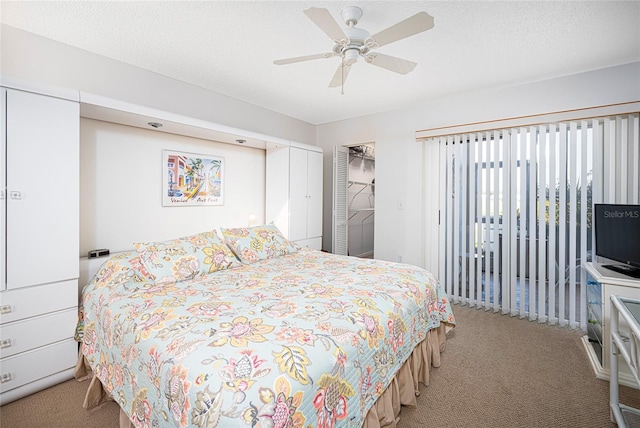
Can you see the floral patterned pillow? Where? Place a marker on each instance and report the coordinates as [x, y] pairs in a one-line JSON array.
[[184, 259], [251, 244]]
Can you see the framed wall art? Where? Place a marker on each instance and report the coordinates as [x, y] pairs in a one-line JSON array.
[[192, 179]]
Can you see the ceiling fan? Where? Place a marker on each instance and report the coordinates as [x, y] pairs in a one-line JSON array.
[[353, 42]]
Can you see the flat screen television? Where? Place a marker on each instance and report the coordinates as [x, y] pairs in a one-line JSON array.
[[618, 236]]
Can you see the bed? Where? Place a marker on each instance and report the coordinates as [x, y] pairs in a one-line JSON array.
[[250, 330]]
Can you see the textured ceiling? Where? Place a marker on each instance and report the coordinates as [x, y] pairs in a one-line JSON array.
[[229, 47]]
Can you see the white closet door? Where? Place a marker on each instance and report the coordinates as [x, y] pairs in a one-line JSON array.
[[3, 137], [314, 191], [340, 223], [277, 188], [42, 189], [298, 195]]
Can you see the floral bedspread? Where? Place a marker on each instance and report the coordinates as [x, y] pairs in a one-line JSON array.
[[305, 339]]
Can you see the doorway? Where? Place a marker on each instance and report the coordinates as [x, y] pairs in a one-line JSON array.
[[361, 200]]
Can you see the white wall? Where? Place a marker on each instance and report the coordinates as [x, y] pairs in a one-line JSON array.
[[121, 175], [121, 166], [399, 158], [34, 58]]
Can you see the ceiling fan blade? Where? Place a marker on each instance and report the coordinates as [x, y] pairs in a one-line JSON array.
[[339, 78], [416, 24], [391, 63], [323, 19], [303, 58]]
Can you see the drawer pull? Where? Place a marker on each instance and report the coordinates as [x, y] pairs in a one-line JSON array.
[[5, 309], [6, 377], [5, 343]]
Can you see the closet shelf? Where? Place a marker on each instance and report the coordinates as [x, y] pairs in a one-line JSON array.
[[360, 183], [354, 213], [360, 155]]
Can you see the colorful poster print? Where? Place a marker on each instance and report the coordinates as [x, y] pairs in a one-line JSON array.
[[192, 179]]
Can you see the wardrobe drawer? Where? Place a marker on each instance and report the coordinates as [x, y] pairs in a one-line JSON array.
[[34, 332], [27, 302], [36, 364]]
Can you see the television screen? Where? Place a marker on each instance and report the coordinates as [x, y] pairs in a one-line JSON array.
[[618, 235]]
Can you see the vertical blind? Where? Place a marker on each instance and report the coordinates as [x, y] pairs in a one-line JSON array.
[[516, 212]]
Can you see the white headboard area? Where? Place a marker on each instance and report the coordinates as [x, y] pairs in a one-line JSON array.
[[107, 222]]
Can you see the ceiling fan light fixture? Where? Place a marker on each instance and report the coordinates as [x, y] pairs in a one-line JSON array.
[[351, 56]]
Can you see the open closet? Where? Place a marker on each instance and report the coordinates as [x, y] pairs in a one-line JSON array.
[[354, 200]]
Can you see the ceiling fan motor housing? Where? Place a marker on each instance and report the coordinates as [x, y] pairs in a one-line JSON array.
[[355, 44]]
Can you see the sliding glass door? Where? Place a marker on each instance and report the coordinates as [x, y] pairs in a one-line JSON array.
[[515, 212]]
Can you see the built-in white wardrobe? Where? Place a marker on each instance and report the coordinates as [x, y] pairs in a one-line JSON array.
[[39, 216], [39, 239], [294, 192]]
